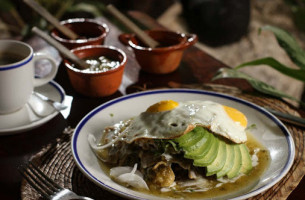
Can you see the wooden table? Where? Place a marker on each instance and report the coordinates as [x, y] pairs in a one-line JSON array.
[[196, 67]]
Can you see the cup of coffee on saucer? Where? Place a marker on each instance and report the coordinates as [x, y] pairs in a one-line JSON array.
[[17, 74]]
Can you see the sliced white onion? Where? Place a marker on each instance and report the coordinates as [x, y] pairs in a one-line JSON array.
[[167, 156], [133, 180], [117, 171], [131, 177], [198, 182], [92, 142]]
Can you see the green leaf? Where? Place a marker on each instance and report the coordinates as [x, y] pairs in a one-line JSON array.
[[289, 44], [174, 145], [298, 17], [6, 5], [93, 9], [256, 84], [294, 73]]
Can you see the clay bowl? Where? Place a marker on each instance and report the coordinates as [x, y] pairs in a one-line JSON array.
[[163, 59], [92, 83], [91, 32]]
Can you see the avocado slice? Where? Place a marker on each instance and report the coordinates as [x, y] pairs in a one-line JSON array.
[[219, 161], [246, 166], [237, 163], [202, 150], [191, 137], [229, 161], [199, 143], [209, 157]]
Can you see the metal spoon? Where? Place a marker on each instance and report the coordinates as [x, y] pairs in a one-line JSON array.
[[56, 105]]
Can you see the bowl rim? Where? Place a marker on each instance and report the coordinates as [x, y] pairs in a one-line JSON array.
[[178, 46], [78, 20], [119, 51]]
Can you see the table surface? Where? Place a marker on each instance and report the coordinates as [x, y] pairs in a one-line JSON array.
[[196, 67]]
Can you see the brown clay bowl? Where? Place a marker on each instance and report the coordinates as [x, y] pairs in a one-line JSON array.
[[97, 84], [91, 32], [163, 59]]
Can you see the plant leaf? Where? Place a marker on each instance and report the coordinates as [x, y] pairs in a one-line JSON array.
[[289, 44], [94, 9], [6, 5], [256, 84], [294, 73]]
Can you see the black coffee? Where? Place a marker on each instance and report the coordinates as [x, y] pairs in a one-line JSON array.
[[9, 58]]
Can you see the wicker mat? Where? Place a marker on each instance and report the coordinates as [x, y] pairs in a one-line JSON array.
[[57, 162]]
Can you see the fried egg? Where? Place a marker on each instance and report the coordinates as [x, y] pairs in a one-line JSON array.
[[170, 119]]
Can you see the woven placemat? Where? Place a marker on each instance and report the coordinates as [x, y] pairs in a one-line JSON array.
[[57, 162]]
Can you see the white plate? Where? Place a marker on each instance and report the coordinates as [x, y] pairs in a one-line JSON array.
[[25, 119], [270, 132]]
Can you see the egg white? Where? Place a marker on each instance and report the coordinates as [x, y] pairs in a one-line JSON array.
[[182, 119]]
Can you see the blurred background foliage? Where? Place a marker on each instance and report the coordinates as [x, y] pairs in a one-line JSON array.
[[298, 12], [17, 19]]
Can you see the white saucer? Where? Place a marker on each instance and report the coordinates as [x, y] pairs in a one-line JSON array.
[[25, 119]]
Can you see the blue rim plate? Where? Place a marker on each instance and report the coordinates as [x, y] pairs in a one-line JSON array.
[[270, 131]]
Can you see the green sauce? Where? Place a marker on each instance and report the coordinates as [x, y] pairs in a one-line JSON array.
[[226, 190]]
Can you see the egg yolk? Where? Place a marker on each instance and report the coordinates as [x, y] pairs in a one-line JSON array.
[[236, 116], [163, 106]]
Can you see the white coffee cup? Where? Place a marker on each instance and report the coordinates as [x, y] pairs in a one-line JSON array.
[[17, 74]]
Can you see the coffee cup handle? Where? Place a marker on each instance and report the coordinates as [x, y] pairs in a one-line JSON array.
[[43, 80]]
